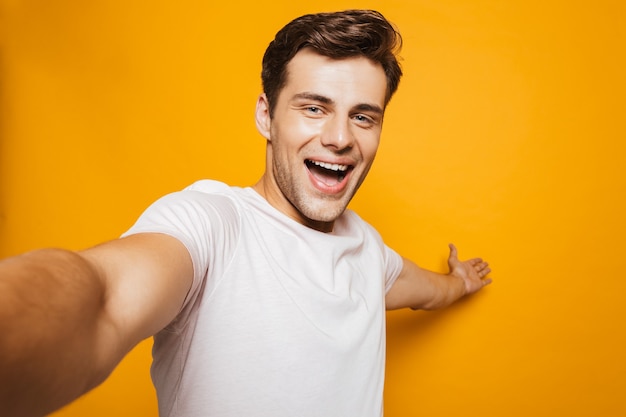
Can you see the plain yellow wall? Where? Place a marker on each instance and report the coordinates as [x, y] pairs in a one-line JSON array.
[[507, 137]]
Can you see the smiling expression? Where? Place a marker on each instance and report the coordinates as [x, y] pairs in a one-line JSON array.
[[322, 137]]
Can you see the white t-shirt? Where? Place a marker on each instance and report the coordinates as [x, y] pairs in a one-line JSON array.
[[281, 320]]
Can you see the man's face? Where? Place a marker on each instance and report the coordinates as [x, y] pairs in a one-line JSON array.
[[323, 136]]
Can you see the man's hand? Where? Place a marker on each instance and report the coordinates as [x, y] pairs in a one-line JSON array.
[[421, 289], [472, 271]]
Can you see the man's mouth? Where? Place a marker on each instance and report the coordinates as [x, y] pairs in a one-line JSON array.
[[327, 173]]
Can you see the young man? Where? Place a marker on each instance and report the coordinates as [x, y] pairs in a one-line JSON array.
[[264, 301]]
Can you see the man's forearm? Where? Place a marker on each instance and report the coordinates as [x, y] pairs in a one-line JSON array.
[[50, 303], [445, 289], [421, 289]]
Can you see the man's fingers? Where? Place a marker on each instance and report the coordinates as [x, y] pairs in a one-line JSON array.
[[476, 262], [481, 267]]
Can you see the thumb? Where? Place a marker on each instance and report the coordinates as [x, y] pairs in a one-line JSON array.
[[453, 258], [453, 251]]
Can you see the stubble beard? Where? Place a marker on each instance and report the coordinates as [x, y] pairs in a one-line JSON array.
[[320, 208]]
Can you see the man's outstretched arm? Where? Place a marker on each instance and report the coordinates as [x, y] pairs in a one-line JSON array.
[[68, 318], [418, 288]]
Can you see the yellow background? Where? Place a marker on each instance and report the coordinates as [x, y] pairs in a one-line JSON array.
[[507, 137]]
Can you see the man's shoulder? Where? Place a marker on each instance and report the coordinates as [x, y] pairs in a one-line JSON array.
[[210, 192], [210, 187], [203, 202]]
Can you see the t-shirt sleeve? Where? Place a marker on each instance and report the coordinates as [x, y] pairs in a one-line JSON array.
[[393, 264], [206, 224]]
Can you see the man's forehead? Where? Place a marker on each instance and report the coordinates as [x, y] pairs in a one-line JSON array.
[[308, 57], [309, 73]]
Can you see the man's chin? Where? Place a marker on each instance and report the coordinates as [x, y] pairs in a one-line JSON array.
[[324, 215]]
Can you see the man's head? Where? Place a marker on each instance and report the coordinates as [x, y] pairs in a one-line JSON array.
[[327, 80], [335, 35]]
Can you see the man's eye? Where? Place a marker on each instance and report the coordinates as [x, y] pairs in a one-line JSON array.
[[314, 110], [363, 119]]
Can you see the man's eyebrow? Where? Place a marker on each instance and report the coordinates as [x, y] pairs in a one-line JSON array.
[[312, 96], [373, 108]]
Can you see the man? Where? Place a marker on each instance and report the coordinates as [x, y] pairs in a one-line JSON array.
[[264, 301]]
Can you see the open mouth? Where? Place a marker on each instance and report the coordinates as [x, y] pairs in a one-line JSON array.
[[327, 173]]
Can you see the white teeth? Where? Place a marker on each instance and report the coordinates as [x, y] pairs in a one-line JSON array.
[[333, 167]]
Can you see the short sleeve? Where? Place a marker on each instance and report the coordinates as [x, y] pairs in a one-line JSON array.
[[393, 267], [206, 224]]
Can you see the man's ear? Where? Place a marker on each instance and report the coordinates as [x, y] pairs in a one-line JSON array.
[[262, 116]]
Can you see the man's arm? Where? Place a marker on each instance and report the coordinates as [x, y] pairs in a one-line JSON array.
[[68, 318], [418, 288]]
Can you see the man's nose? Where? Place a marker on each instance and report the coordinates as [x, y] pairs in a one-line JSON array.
[[338, 133]]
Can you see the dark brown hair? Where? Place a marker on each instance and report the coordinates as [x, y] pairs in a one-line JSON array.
[[336, 35]]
